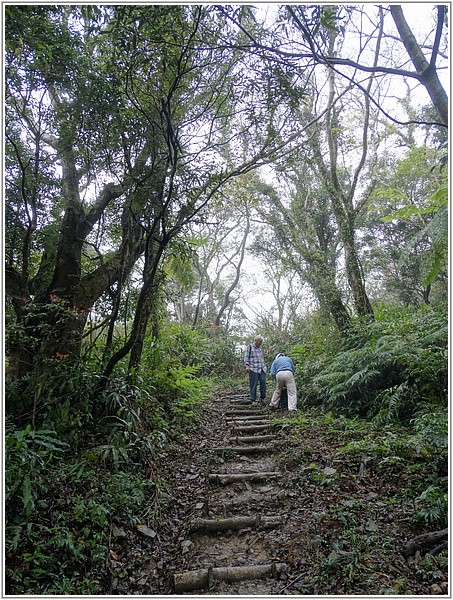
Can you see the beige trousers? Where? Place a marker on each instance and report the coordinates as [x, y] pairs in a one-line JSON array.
[[285, 378]]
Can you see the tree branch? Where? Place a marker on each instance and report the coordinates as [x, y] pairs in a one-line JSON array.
[[427, 73]]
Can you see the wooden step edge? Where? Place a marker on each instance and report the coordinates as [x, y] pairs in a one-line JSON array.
[[227, 478], [204, 578], [244, 449]]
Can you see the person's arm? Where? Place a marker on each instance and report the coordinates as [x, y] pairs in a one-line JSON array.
[[247, 358]]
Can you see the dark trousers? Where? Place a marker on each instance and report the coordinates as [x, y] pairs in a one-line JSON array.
[[254, 378]]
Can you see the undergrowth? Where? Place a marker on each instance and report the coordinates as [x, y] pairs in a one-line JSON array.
[[383, 487], [83, 461], [391, 370]]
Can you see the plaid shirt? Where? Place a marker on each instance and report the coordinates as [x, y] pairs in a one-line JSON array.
[[253, 357]]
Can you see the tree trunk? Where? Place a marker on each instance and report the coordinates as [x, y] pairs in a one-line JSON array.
[[355, 275], [137, 346], [426, 293], [427, 70], [301, 237], [327, 292], [226, 300], [62, 296], [342, 203]]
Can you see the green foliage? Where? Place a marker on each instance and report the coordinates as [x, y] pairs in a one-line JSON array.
[[420, 454], [111, 441], [75, 480], [431, 568], [432, 507], [177, 345], [41, 547], [61, 547], [389, 370], [385, 476], [436, 230], [27, 452], [226, 358], [177, 365], [408, 217]]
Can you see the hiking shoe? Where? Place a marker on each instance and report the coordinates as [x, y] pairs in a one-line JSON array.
[[272, 408]]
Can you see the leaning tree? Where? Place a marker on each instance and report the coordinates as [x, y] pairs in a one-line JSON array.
[[116, 121]]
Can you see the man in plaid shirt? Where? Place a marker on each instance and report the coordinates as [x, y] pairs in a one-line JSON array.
[[256, 368]]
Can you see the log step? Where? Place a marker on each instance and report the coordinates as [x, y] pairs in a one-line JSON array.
[[204, 578], [237, 424], [234, 523], [240, 402], [239, 417], [227, 478], [232, 413], [245, 449], [253, 439], [250, 428]]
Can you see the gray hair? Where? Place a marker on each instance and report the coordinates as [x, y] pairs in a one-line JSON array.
[[258, 337]]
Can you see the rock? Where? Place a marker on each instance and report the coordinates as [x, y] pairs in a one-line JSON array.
[[185, 546], [146, 531], [371, 496], [371, 526], [118, 531], [329, 471], [349, 503], [316, 540], [436, 589]]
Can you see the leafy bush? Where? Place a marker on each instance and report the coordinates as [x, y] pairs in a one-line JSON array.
[[226, 356], [57, 537], [27, 454], [208, 348], [39, 547], [387, 371], [60, 545], [432, 507]]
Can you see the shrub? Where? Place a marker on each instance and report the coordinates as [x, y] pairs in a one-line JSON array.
[[387, 371]]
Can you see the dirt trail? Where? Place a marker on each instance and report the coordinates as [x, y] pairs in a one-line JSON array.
[[242, 559], [269, 504]]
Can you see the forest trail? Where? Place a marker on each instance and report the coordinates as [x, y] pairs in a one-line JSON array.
[[268, 504], [234, 540]]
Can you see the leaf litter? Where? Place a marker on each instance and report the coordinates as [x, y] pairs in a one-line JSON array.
[[339, 533]]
